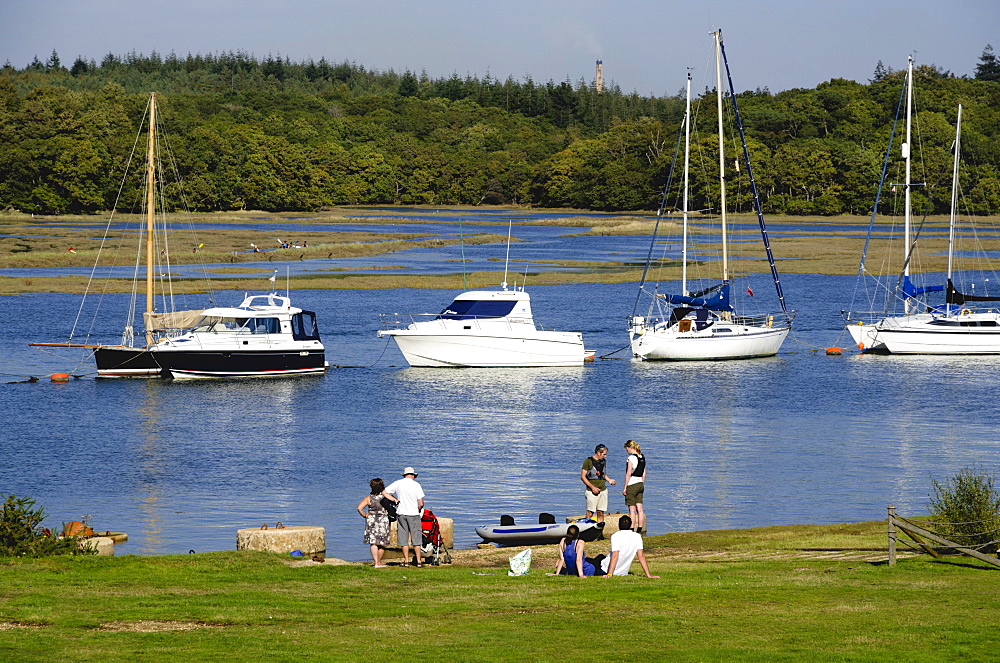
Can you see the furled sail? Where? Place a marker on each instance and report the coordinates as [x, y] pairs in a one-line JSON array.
[[174, 320]]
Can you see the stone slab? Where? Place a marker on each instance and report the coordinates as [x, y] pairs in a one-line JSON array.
[[309, 539]]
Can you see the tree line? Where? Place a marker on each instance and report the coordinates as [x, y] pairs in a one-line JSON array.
[[277, 135]]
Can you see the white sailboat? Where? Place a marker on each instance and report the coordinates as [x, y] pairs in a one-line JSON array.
[[703, 324], [957, 327], [864, 326], [263, 336]]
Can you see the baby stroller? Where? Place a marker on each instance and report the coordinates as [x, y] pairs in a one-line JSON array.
[[433, 541]]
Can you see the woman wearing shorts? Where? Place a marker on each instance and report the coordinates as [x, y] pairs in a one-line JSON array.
[[635, 481]]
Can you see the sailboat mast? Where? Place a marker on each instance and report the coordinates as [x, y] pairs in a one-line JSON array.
[[687, 163], [150, 182], [722, 153], [954, 192], [506, 262], [906, 157]]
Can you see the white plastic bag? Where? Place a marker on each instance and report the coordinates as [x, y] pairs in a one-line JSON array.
[[520, 563]]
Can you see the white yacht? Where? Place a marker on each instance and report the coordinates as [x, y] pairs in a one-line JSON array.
[[483, 328], [704, 324]]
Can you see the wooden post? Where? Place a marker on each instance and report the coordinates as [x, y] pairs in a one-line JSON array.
[[892, 535]]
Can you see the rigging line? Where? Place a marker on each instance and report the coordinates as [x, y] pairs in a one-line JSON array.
[[878, 194], [107, 231], [384, 348], [171, 161], [659, 213], [753, 183], [906, 262], [615, 352]]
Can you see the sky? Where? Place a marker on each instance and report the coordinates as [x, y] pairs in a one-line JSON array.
[[646, 45]]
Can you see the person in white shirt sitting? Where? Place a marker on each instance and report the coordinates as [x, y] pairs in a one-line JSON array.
[[626, 545]]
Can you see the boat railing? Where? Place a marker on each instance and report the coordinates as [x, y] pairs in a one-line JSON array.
[[764, 319], [388, 321], [862, 317]]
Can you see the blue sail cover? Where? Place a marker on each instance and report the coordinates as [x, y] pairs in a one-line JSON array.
[[911, 291], [718, 301]]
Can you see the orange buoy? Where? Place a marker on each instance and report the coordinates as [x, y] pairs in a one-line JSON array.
[[76, 528], [60, 377], [834, 351]]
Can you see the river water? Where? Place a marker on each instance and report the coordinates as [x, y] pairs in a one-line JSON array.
[[798, 438]]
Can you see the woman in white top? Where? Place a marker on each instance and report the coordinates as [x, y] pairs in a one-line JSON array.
[[635, 481]]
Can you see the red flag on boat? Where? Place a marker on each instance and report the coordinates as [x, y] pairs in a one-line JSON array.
[[749, 291]]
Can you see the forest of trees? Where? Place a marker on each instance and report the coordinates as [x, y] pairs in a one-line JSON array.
[[276, 135]]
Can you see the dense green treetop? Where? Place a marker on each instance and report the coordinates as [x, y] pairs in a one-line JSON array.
[[278, 135]]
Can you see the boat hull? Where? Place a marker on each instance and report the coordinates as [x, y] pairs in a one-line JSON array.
[[866, 338], [527, 535], [740, 343], [125, 362], [973, 334], [482, 349], [191, 364]]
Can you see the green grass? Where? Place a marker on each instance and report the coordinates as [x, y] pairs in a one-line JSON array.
[[243, 605]]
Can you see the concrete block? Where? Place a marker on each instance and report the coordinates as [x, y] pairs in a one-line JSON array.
[[104, 545], [395, 551], [309, 539]]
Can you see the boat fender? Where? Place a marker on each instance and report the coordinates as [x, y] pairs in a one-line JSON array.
[[964, 311], [60, 377]]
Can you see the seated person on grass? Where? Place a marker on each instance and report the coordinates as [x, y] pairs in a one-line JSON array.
[[625, 546]]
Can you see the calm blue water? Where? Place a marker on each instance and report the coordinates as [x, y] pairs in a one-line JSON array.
[[799, 438]]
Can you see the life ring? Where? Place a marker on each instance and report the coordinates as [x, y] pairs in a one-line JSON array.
[[965, 311]]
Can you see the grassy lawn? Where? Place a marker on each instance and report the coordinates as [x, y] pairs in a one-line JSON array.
[[762, 594]]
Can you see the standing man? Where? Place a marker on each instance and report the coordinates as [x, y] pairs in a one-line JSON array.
[[596, 480], [409, 499], [626, 545]]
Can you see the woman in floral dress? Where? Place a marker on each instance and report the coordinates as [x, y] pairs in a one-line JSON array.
[[376, 521]]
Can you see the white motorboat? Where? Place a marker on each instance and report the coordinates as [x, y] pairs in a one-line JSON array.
[[483, 328], [704, 324]]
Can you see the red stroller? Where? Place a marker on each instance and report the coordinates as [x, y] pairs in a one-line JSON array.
[[433, 541]]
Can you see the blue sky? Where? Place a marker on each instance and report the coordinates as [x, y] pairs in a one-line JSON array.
[[646, 45]]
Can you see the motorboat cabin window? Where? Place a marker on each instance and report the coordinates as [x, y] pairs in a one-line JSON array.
[[468, 309], [263, 325], [242, 325], [304, 327]]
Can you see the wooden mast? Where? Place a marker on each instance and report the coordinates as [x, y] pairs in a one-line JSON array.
[[150, 183]]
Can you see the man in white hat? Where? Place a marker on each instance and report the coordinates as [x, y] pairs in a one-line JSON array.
[[409, 499]]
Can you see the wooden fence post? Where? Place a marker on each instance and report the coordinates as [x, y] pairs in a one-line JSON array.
[[892, 535]]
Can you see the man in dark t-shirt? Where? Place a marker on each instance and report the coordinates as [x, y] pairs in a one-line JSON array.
[[595, 478]]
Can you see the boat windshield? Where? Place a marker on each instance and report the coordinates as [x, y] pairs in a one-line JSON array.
[[243, 325], [466, 309]]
